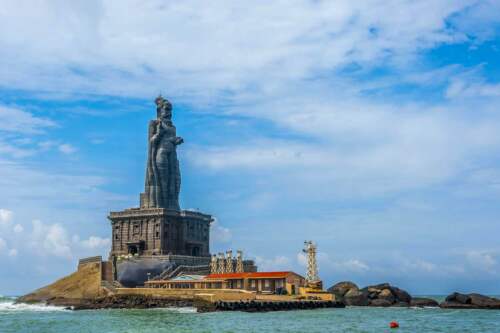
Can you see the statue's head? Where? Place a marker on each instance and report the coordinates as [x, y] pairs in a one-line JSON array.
[[163, 108]]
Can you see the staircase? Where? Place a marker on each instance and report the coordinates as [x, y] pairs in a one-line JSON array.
[[173, 271]]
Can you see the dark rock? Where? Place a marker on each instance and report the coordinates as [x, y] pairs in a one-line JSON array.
[[422, 302], [400, 294], [380, 286], [382, 294], [470, 301], [386, 295], [458, 298], [380, 302], [484, 301], [401, 304], [128, 302], [341, 288], [356, 298]]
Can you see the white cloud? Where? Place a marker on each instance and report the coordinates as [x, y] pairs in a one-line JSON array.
[[471, 84], [5, 216], [358, 147], [12, 252], [276, 263], [352, 265], [3, 245], [88, 48], [66, 148], [19, 121], [18, 228], [334, 266], [54, 240], [219, 234], [95, 242], [482, 260], [50, 239], [46, 145]]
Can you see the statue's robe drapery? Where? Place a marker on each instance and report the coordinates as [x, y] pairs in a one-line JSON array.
[[163, 177]]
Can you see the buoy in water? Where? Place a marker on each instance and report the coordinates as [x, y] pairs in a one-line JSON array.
[[394, 324]]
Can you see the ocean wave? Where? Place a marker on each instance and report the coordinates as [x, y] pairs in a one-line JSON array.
[[10, 305]]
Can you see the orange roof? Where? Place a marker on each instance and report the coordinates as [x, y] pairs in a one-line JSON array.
[[250, 275]]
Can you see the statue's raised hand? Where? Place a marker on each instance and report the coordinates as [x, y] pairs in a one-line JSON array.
[[178, 140]]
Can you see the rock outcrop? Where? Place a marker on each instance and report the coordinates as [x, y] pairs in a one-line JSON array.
[[377, 295], [386, 295], [341, 288], [130, 302], [82, 284], [423, 302], [470, 301]]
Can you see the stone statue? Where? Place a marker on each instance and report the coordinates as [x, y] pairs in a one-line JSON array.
[[163, 177]]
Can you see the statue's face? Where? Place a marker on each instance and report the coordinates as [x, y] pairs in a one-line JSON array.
[[165, 113], [163, 108]]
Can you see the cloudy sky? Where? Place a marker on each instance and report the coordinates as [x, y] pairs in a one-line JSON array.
[[371, 127]]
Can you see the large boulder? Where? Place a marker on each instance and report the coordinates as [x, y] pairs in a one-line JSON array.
[[356, 298], [400, 294], [484, 301], [341, 288], [386, 295], [423, 302], [458, 298], [470, 301]]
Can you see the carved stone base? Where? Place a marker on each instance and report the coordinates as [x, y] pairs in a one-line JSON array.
[[160, 231]]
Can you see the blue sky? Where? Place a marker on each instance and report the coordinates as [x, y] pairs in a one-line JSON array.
[[371, 127]]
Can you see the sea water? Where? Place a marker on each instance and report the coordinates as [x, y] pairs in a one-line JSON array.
[[41, 319]]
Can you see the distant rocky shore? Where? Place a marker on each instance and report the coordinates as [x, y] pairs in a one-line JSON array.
[[385, 295]]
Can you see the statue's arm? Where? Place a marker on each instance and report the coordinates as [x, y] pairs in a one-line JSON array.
[[154, 131], [176, 140]]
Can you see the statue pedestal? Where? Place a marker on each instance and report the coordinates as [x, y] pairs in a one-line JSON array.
[[160, 231]]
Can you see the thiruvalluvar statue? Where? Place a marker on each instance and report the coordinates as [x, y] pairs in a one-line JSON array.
[[163, 177]]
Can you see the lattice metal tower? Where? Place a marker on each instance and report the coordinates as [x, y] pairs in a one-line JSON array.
[[213, 264], [239, 262], [312, 266], [229, 262], [221, 264]]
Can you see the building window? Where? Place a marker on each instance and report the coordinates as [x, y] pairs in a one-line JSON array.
[[117, 232], [253, 284], [266, 283], [135, 229]]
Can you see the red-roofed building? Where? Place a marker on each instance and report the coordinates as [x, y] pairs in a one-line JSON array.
[[260, 282]]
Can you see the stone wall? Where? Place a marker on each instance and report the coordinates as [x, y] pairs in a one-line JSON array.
[[213, 294]]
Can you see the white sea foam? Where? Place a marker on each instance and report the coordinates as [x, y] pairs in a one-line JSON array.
[[181, 310], [10, 305]]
